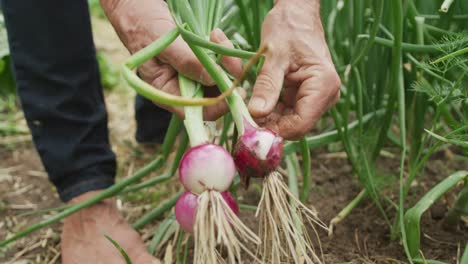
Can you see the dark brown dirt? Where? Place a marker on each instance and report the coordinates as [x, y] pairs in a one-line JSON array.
[[364, 236]]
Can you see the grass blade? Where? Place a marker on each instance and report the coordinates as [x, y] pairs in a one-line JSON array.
[[120, 249], [447, 140]]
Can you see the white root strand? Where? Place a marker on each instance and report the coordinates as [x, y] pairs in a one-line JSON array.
[[283, 221], [216, 224]]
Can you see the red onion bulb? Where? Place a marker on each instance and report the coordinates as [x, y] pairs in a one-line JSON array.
[[186, 209], [257, 152], [207, 167]]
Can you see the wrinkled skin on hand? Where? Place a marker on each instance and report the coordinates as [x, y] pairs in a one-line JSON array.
[[298, 81], [139, 23], [83, 238]]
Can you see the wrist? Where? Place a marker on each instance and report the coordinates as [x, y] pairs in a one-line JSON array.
[[85, 196], [309, 5], [140, 23]]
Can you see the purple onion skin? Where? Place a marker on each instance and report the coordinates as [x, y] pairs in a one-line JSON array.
[[246, 158], [207, 167], [227, 196], [186, 209]]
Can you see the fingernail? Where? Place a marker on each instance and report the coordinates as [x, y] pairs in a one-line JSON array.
[[257, 103]]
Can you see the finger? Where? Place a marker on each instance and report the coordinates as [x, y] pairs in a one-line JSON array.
[[180, 56], [232, 64], [170, 86], [267, 89], [270, 121], [315, 96], [288, 97], [214, 112]]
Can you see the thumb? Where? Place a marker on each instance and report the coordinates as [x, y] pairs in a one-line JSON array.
[[267, 89]]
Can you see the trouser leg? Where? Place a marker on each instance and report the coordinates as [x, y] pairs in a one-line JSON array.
[[58, 83], [152, 121]]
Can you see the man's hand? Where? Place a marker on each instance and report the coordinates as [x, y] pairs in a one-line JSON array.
[[299, 61], [138, 24]]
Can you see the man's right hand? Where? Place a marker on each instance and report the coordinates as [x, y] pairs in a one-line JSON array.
[[139, 23]]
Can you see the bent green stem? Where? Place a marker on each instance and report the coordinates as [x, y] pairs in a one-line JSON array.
[[152, 49], [150, 92], [413, 215]]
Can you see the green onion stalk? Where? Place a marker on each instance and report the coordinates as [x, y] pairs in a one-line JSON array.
[[206, 170], [257, 154], [207, 209]]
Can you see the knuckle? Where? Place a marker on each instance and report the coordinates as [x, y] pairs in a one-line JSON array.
[[211, 114], [161, 76], [225, 42], [337, 97], [266, 83], [294, 127], [190, 61], [333, 79], [331, 83]]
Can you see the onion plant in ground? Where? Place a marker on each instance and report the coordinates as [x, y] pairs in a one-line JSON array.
[[404, 87]]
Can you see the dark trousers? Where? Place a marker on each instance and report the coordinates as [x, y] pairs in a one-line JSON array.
[[55, 66]]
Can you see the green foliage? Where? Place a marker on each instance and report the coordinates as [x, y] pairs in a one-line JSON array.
[[120, 249], [7, 82], [413, 215], [426, 83], [95, 9], [109, 72]]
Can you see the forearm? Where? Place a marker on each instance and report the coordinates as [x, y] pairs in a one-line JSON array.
[[138, 22], [297, 15]]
